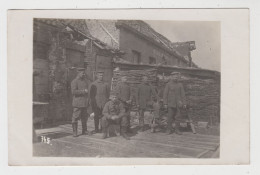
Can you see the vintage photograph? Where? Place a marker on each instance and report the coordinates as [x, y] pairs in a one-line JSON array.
[[126, 88]]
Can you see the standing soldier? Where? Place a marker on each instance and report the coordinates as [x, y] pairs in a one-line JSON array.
[[174, 98], [145, 93], [114, 113], [124, 95], [99, 94], [79, 90]]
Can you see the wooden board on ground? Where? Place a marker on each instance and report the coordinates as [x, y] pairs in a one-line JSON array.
[[144, 144]]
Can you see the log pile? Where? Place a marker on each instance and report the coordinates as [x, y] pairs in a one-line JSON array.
[[203, 95], [134, 77]]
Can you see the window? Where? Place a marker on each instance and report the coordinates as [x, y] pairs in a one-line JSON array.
[[152, 60], [136, 57]]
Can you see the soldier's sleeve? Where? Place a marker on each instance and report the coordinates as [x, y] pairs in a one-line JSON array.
[[91, 93], [107, 91], [165, 94], [183, 96], [122, 110], [75, 90], [88, 85], [105, 111]]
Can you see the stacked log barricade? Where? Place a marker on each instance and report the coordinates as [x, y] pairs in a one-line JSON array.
[[202, 94]]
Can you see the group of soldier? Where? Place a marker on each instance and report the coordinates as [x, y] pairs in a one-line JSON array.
[[114, 108]]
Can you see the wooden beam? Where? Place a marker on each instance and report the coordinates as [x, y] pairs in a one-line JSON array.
[[166, 70]]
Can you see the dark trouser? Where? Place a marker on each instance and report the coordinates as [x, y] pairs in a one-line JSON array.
[[123, 122], [172, 112], [80, 113], [128, 118], [141, 117], [97, 117]]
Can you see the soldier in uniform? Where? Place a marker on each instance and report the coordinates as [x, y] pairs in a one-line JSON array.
[[174, 98], [114, 113], [145, 93], [124, 95], [99, 95], [79, 90]]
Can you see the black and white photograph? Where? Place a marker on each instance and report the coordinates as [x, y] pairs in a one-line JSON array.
[[128, 87], [113, 88]]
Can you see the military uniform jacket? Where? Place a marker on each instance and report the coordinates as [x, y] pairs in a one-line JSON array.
[[113, 108], [80, 97], [174, 94], [144, 95], [124, 92], [99, 94]]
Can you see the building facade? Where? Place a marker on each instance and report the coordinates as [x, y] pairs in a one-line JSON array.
[[141, 43], [59, 47], [62, 45]]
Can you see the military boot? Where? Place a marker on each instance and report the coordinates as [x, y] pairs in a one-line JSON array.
[[123, 133], [152, 130], [129, 130], [84, 127], [96, 121], [125, 136], [177, 128], [169, 131], [141, 129], [104, 130], [153, 126], [75, 129]]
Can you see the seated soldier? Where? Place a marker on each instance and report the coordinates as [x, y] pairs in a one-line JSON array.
[[114, 113]]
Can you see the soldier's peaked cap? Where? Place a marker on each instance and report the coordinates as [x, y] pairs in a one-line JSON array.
[[100, 72], [80, 69], [175, 73]]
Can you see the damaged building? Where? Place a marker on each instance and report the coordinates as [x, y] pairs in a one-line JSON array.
[[141, 43], [59, 47], [62, 45]]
